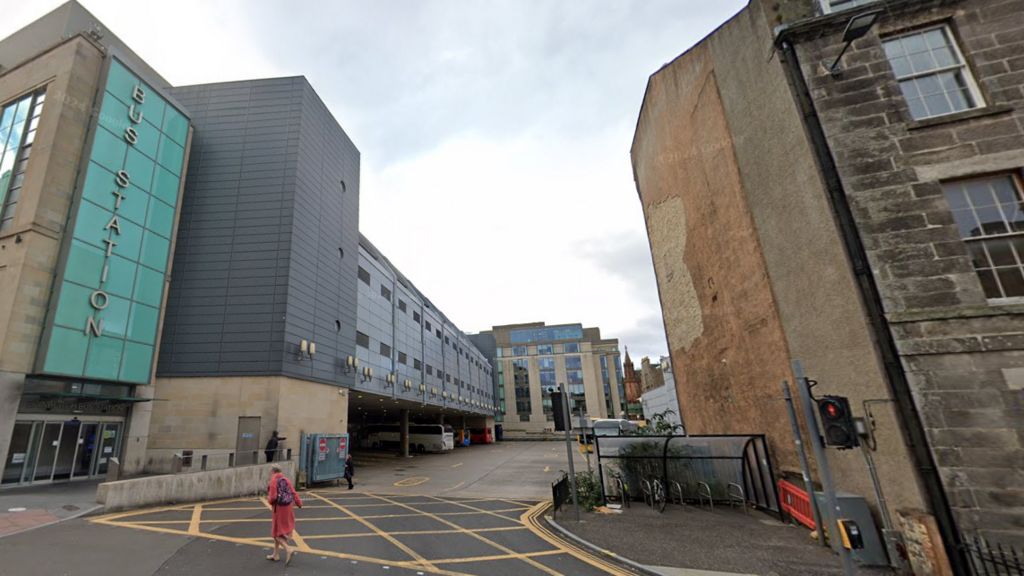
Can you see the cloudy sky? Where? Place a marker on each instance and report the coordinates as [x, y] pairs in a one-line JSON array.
[[494, 134]]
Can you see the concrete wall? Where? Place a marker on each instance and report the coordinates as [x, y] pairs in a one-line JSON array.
[[190, 487], [964, 354], [202, 413]]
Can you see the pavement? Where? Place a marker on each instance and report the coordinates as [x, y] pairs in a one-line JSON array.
[[30, 507], [693, 541]]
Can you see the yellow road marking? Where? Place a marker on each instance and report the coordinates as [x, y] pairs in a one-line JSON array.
[[513, 556], [513, 553], [197, 515], [530, 519], [456, 465], [413, 481], [299, 542], [412, 533], [412, 553], [459, 485]]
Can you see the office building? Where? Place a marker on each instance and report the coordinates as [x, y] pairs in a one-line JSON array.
[[855, 204], [532, 359]]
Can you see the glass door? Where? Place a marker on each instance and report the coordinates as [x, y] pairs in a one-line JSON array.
[[86, 450], [66, 450], [20, 456], [110, 438], [49, 441]]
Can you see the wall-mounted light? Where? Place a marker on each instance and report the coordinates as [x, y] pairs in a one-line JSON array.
[[390, 379], [351, 363], [312, 350], [408, 384], [857, 27], [367, 374]]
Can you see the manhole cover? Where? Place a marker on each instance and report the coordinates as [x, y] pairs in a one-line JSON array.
[[16, 509], [70, 507]]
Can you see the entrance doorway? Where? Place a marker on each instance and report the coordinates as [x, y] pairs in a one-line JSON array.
[[55, 451], [248, 444]]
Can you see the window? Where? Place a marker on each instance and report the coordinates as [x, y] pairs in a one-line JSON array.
[[519, 350], [427, 326], [385, 350], [838, 5], [416, 317], [545, 349], [430, 370], [18, 123], [989, 213], [402, 358], [448, 378], [521, 377], [438, 333], [446, 341], [364, 275], [385, 292], [362, 340], [401, 305], [932, 73], [571, 347]]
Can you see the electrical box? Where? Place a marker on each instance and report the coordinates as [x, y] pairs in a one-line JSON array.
[[855, 508]]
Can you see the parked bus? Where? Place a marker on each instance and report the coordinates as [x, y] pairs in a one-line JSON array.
[[481, 436], [422, 437]]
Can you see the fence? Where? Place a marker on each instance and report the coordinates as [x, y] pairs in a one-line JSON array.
[[795, 502], [989, 560], [189, 461], [692, 468], [560, 493]]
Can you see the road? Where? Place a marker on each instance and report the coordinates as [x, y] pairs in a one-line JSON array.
[[472, 511]]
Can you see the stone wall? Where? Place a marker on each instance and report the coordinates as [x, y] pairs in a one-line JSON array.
[[964, 354]]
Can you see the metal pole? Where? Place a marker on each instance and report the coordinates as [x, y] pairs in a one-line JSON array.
[[568, 450], [892, 537], [804, 466], [823, 469], [586, 443]]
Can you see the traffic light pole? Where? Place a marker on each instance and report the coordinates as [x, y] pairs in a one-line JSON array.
[[568, 449], [832, 508], [804, 466]]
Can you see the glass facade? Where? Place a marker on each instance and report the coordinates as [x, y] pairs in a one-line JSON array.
[[546, 366], [548, 334], [571, 347], [519, 351], [18, 123], [620, 377], [107, 309], [607, 384], [521, 376]]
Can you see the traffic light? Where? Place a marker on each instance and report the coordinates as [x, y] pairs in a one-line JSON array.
[[838, 422], [558, 411]]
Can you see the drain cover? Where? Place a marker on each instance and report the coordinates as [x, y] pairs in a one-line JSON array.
[[70, 507]]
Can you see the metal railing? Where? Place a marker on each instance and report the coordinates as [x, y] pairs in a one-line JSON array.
[[993, 560], [187, 461]]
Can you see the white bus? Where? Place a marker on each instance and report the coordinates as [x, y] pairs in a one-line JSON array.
[[422, 437]]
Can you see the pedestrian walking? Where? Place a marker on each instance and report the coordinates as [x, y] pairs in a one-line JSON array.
[[271, 450], [282, 497], [350, 470]]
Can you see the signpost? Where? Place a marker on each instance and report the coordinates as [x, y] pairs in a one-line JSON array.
[[322, 452], [567, 411]]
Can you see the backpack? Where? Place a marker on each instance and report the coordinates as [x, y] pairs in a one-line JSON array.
[[284, 492]]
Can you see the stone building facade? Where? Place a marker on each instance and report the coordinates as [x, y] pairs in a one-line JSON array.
[[831, 225]]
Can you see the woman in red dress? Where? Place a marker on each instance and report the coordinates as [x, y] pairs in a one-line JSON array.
[[281, 495]]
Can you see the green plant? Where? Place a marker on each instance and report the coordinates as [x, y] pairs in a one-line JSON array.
[[588, 490], [659, 425]]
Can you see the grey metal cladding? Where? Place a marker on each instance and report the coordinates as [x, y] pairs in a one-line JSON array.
[[257, 265]]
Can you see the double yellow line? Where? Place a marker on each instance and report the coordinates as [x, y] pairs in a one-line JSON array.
[[533, 519]]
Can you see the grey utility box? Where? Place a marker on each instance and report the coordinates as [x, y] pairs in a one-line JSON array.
[[854, 507]]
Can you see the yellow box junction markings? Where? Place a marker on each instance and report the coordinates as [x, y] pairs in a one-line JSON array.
[[412, 481], [527, 521]]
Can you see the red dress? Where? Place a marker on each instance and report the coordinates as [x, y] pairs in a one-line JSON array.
[[284, 514]]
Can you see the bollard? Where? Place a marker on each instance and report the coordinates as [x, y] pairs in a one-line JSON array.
[[113, 469]]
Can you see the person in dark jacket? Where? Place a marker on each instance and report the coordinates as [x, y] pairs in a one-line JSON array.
[[350, 470], [271, 450]]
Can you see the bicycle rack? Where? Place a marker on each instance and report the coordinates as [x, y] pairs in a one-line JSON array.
[[736, 495], [678, 491], [645, 485], [704, 489]]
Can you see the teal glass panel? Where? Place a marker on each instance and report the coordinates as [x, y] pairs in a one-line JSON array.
[[139, 168], [85, 265], [115, 316], [160, 219], [108, 150], [73, 309], [154, 251], [153, 108], [136, 362], [165, 186], [104, 358], [113, 115], [91, 224], [134, 203], [121, 82], [148, 139], [149, 286], [120, 277], [128, 241], [142, 325], [170, 155], [175, 125], [99, 185], [66, 353]]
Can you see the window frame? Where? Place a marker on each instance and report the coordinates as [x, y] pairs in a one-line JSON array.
[[828, 8], [968, 73]]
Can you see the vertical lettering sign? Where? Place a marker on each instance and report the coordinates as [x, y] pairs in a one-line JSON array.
[[106, 313]]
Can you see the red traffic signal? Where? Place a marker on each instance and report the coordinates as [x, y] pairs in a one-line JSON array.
[[837, 420]]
